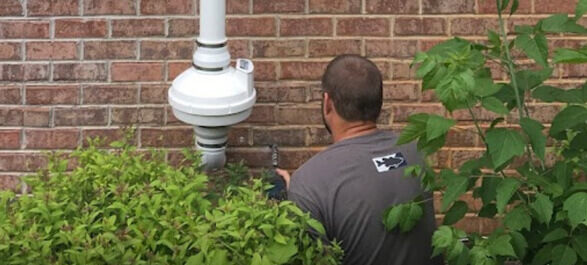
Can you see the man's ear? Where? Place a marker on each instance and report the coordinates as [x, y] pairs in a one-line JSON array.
[[328, 106]]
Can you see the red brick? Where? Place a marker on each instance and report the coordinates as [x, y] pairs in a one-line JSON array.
[[110, 94], [448, 6], [262, 113], [384, 67], [36, 116], [265, 71], [238, 136], [81, 28], [109, 7], [81, 116], [167, 137], [402, 112], [293, 159], [12, 162], [166, 49], [106, 135], [319, 136], [49, 50], [24, 29], [473, 26], [184, 27], [489, 7], [574, 70], [335, 6], [24, 72], [167, 7], [251, 27], [10, 139], [400, 92], [279, 48], [10, 95], [400, 49], [154, 94], [386, 116], [278, 6], [303, 70], [459, 157], [171, 119], [10, 182], [138, 27], [406, 26], [392, 7], [279, 136], [462, 137], [136, 115], [320, 26], [80, 72], [402, 71], [554, 6], [542, 112], [290, 159], [363, 27], [176, 68], [426, 45], [51, 138], [100, 50], [281, 92], [331, 48], [10, 116], [480, 114], [237, 6], [11, 8], [238, 48], [140, 71], [53, 7], [52, 95], [10, 51], [299, 114]]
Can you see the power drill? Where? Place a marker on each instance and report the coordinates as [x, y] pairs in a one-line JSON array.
[[278, 191]]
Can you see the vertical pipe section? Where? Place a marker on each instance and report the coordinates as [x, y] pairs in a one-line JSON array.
[[212, 22]]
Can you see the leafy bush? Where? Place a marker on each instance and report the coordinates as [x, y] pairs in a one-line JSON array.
[[541, 203], [128, 207]]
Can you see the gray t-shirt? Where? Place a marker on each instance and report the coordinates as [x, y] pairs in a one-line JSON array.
[[348, 186]]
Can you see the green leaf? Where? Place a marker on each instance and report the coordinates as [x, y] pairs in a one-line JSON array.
[[529, 79], [220, 257], [392, 216], [317, 226], [563, 55], [434, 77], [455, 187], [481, 256], [533, 129], [554, 235], [415, 128], [520, 244], [442, 237], [437, 126], [279, 238], [560, 23], [502, 246], [543, 208], [518, 219], [543, 256], [456, 213], [488, 189], [486, 87], [425, 68], [405, 215], [581, 9], [563, 255], [494, 105], [576, 206], [503, 145], [196, 259], [488, 211], [282, 253], [533, 47], [505, 190], [566, 119], [453, 92], [554, 94], [515, 6], [580, 245]]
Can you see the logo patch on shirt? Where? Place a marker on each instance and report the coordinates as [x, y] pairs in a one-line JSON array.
[[389, 162]]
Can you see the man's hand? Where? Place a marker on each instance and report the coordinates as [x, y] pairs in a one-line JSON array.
[[285, 175]]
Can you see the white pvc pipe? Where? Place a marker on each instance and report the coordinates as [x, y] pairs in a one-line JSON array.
[[212, 22]]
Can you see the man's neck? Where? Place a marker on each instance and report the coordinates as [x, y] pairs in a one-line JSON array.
[[354, 130]]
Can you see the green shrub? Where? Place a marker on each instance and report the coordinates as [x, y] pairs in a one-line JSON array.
[[536, 191], [128, 207]]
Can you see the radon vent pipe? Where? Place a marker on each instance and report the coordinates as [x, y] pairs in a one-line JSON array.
[[212, 95]]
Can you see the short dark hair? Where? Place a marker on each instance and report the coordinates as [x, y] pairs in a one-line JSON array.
[[355, 86]]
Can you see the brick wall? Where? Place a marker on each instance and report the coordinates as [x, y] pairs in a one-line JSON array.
[[71, 69]]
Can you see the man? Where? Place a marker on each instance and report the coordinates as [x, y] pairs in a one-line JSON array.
[[348, 186]]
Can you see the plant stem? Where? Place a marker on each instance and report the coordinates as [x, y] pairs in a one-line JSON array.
[[476, 122], [509, 61]]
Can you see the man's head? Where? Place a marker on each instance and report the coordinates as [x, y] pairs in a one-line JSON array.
[[353, 86]]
